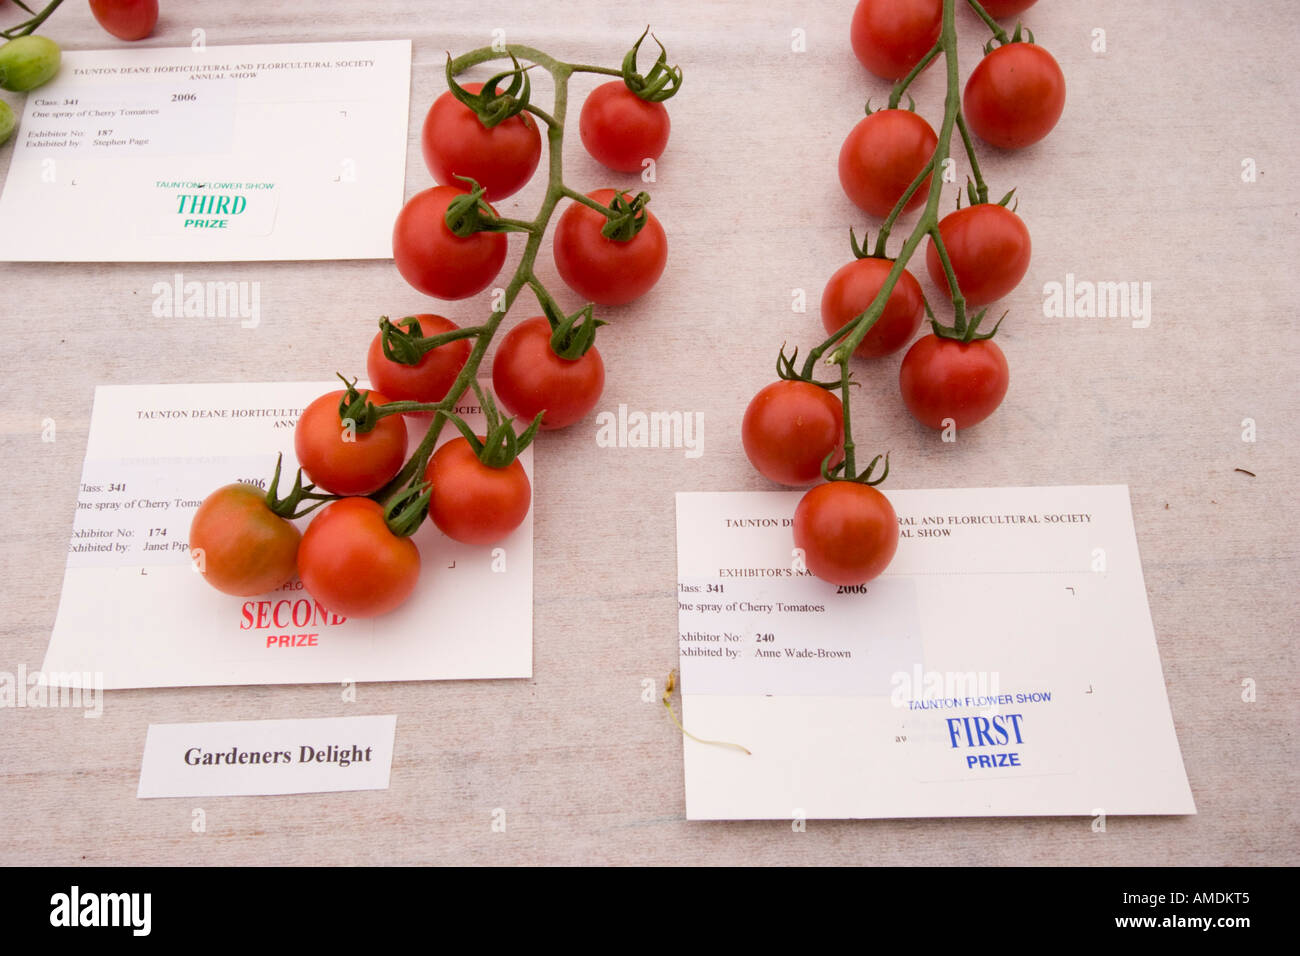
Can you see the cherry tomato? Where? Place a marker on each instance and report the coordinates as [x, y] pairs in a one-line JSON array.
[[850, 292], [988, 246], [528, 377], [1005, 8], [607, 271], [1014, 95], [435, 260], [891, 36], [501, 159], [431, 378], [353, 564], [241, 547], [27, 62], [472, 502], [882, 155], [620, 129], [848, 531], [126, 19], [947, 379], [789, 429], [344, 461]]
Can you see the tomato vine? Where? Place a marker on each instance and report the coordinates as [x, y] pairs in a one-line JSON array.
[[958, 367]]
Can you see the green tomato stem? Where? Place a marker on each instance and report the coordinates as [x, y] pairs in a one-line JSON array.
[[981, 187], [896, 96], [998, 32], [928, 224], [524, 274], [27, 27]]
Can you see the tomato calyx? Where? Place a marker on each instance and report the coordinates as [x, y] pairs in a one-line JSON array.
[[843, 471], [1022, 34], [626, 217], [469, 213], [288, 506], [860, 251], [406, 510], [978, 196], [408, 345], [356, 408], [911, 105], [493, 106], [501, 445], [572, 335], [786, 371], [660, 82], [964, 331]]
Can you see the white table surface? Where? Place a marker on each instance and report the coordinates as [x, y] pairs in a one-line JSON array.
[[1140, 181]]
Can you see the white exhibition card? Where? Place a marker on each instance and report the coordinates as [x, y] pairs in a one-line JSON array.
[[1004, 664], [135, 612], [257, 757], [209, 154]]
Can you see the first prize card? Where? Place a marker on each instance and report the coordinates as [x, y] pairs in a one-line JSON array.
[[134, 611], [285, 151], [1003, 665]]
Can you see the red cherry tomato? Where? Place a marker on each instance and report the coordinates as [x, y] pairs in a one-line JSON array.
[[988, 246], [789, 429], [501, 159], [472, 502], [947, 379], [528, 377], [1014, 95], [891, 36], [239, 546], [126, 19], [608, 271], [850, 292], [848, 531], [880, 158], [344, 461], [620, 129], [353, 564], [431, 378], [1005, 8], [435, 260]]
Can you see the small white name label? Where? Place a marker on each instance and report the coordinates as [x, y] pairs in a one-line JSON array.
[[259, 757]]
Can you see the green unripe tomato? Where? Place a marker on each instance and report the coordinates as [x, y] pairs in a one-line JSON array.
[[27, 62], [7, 122]]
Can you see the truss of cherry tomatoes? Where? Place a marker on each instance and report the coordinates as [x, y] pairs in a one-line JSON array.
[[797, 430], [481, 142]]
